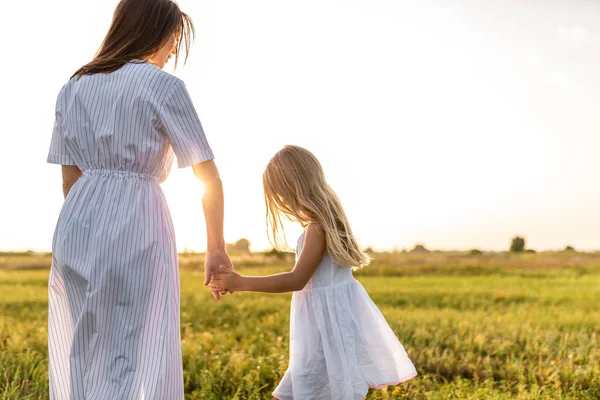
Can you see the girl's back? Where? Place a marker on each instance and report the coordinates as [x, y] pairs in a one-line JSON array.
[[327, 274]]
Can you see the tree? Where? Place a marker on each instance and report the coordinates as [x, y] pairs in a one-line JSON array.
[[281, 255], [517, 245], [569, 248], [242, 246], [419, 248], [475, 252]]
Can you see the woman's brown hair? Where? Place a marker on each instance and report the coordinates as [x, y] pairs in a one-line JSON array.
[[138, 30]]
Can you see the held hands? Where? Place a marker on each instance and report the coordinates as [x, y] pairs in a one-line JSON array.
[[226, 279], [216, 261]]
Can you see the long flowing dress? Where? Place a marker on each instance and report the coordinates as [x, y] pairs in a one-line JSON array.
[[340, 343], [113, 290]]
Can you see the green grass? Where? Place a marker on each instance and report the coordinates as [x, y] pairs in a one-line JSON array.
[[477, 327]]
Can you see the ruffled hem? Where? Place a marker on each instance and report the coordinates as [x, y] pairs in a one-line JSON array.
[[377, 387], [382, 385]]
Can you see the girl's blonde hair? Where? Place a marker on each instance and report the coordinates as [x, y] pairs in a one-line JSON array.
[[295, 186]]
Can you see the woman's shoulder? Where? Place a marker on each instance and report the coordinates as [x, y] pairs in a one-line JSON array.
[[140, 72], [151, 74], [148, 79], [137, 77]]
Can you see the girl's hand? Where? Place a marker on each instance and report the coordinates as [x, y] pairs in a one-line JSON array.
[[214, 260], [226, 279]]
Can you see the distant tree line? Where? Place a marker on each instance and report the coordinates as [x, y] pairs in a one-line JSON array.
[[517, 245]]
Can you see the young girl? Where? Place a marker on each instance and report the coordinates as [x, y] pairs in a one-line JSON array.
[[340, 343]]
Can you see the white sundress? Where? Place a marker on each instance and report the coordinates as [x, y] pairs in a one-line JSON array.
[[113, 291], [340, 343]]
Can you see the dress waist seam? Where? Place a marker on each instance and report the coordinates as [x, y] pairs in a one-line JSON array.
[[119, 174], [321, 288]]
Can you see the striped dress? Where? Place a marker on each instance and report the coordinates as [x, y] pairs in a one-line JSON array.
[[113, 291]]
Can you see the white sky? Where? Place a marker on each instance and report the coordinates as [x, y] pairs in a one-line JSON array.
[[455, 124]]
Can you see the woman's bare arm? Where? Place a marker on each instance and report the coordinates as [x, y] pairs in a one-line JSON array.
[[213, 206], [70, 174], [212, 203]]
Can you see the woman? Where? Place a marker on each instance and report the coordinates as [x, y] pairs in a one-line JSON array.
[[113, 324]]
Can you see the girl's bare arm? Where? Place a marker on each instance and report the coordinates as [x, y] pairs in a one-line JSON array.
[[310, 258]]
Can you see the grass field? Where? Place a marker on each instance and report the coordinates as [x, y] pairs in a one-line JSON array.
[[492, 326]]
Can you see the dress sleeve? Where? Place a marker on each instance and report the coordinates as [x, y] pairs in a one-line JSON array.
[[181, 125], [59, 153]]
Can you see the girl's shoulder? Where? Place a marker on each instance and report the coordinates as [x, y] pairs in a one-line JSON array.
[[315, 228], [315, 234]]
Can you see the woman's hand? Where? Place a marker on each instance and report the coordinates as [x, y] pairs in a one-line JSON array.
[[216, 261], [226, 279]]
